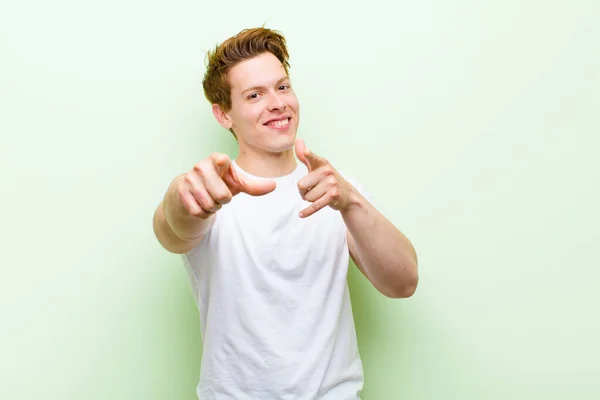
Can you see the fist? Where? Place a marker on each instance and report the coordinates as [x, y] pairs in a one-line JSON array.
[[213, 182]]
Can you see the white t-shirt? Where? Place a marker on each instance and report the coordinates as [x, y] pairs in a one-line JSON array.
[[271, 289]]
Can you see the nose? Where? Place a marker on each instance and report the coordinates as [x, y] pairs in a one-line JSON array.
[[276, 102]]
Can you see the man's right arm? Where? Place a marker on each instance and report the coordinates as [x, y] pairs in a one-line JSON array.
[[188, 209], [172, 241], [176, 229]]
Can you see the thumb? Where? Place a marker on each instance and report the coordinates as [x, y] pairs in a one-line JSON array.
[[222, 163], [256, 187], [300, 149], [308, 158]]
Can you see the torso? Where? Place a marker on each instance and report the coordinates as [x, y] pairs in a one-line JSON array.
[[273, 298]]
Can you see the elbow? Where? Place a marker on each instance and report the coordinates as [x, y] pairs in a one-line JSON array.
[[409, 290], [404, 292], [405, 287]]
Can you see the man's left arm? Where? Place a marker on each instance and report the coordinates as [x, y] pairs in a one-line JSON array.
[[383, 253]]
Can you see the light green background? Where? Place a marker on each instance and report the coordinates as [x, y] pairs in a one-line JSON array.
[[473, 124]]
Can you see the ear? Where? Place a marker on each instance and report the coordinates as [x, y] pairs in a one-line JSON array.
[[222, 117]]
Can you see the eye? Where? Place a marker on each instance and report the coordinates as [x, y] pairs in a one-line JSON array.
[[284, 87], [253, 96]]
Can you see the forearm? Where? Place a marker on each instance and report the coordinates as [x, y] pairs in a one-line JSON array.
[[181, 222], [386, 256]]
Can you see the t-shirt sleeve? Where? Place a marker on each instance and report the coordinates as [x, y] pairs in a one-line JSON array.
[[359, 186]]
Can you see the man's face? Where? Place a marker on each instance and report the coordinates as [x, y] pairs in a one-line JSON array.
[[264, 109]]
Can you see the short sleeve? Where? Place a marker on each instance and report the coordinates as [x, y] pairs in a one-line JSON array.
[[359, 186]]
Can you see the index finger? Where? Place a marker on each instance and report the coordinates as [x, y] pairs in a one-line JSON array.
[[221, 163]]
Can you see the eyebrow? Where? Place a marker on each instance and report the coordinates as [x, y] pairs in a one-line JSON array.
[[285, 78]]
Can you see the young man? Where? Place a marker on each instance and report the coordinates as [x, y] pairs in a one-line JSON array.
[[267, 240]]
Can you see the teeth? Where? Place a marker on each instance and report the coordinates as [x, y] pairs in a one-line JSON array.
[[279, 124]]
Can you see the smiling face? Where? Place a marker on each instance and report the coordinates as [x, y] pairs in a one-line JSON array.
[[264, 110]]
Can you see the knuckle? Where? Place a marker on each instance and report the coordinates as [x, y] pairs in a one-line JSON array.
[[216, 157], [197, 212], [223, 198], [302, 185], [188, 178], [199, 169], [181, 193], [206, 202], [216, 207], [191, 207]]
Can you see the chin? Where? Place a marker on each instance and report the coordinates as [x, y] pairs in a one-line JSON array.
[[278, 139], [281, 147]]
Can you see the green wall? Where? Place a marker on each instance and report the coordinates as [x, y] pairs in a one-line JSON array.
[[474, 125]]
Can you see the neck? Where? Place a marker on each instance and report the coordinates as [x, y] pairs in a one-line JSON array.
[[267, 165]]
